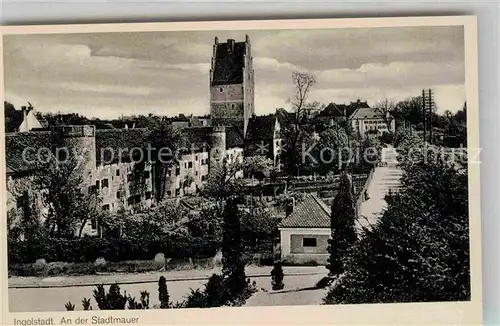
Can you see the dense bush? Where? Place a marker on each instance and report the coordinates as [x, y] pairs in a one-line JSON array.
[[88, 249]]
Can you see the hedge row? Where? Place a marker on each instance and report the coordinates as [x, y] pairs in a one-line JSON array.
[[88, 249]]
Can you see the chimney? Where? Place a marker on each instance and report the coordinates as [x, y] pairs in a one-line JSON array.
[[230, 45]]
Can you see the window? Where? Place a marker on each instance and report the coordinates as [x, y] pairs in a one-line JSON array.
[[203, 177], [221, 89], [169, 193], [118, 194], [146, 174], [92, 190], [117, 172], [177, 192], [185, 165], [177, 171], [309, 242], [169, 173], [105, 207], [190, 165], [130, 177], [105, 183], [93, 224], [97, 184], [196, 157]]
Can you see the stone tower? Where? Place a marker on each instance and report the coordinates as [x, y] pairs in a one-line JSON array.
[[217, 147], [232, 84], [77, 142]]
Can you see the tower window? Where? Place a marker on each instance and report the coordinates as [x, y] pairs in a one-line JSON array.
[[221, 89], [232, 105]]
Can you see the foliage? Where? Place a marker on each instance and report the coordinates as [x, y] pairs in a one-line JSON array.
[[257, 166], [342, 226], [277, 277], [68, 205], [222, 181], [419, 249], [231, 239], [331, 149], [259, 227], [113, 300], [166, 147], [163, 295]]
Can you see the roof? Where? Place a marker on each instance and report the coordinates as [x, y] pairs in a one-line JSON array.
[[234, 137], [366, 113], [337, 110], [228, 65], [262, 127], [284, 117], [27, 143], [312, 212], [115, 141]]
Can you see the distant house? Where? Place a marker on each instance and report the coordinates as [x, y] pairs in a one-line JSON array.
[[263, 138], [366, 120], [334, 113], [23, 120], [304, 233]]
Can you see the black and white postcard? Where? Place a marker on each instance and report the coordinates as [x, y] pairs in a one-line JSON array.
[[268, 172]]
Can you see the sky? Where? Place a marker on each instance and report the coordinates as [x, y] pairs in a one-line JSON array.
[[106, 75]]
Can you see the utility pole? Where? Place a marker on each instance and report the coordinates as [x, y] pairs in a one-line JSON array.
[[424, 115], [431, 107]]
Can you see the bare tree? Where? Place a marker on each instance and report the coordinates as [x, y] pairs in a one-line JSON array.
[[303, 83], [387, 109]]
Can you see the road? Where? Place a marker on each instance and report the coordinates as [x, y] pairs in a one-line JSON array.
[[385, 178], [60, 290]]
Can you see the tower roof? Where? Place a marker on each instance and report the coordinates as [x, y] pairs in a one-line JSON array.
[[228, 63]]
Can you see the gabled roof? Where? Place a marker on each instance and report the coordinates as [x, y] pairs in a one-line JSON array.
[[334, 110], [312, 212], [234, 137], [366, 113], [261, 127]]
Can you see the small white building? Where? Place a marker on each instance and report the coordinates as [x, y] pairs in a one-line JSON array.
[[304, 233], [368, 120]]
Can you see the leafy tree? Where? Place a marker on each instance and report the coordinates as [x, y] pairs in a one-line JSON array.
[[259, 167], [342, 226], [332, 143], [223, 181], [419, 249], [69, 206], [231, 240], [166, 147]]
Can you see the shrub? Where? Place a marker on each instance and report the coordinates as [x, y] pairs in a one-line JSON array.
[[40, 265], [163, 293], [324, 282], [100, 262], [277, 277], [160, 258]]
